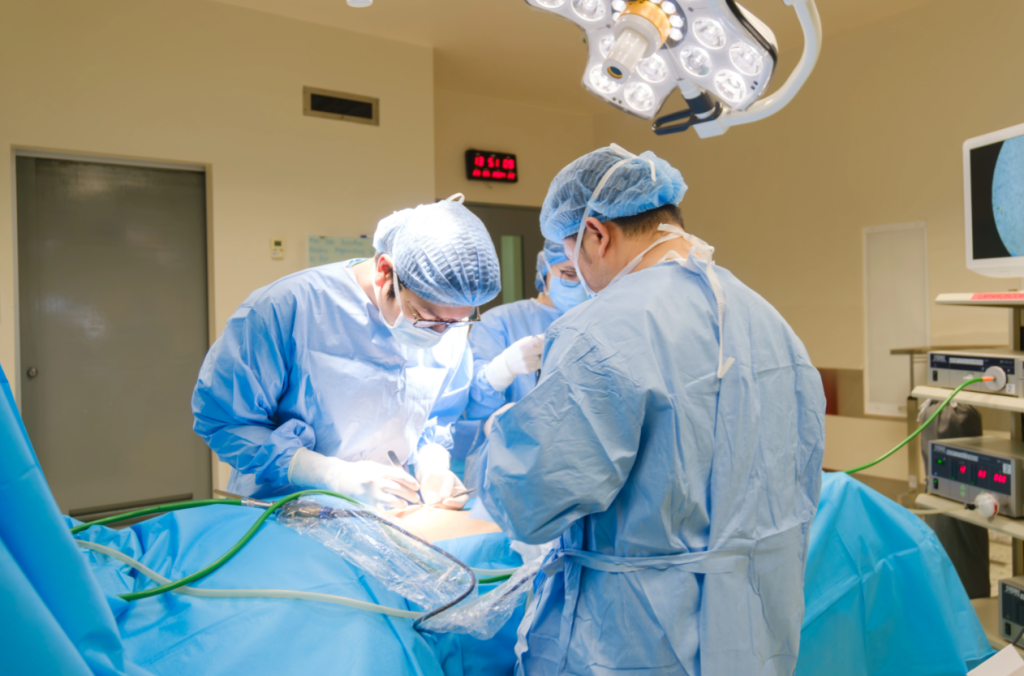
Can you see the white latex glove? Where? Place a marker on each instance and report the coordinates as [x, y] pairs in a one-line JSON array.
[[437, 481], [518, 359], [489, 425], [369, 482]]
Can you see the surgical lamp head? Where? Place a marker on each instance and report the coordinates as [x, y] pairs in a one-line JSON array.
[[720, 56]]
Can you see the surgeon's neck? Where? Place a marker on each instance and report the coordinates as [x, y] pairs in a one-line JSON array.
[[652, 257], [364, 273]]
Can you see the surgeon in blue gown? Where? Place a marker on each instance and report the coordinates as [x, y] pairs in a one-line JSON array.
[[322, 373], [673, 446], [507, 344]]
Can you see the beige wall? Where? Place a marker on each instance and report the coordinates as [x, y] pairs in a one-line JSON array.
[[544, 140], [873, 139], [200, 82]]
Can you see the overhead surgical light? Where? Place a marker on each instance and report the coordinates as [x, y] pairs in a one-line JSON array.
[[720, 56]]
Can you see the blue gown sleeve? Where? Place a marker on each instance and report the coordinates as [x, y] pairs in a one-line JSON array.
[[236, 398], [566, 449], [488, 339], [450, 403]]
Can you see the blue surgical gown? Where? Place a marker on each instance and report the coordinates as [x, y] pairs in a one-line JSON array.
[[307, 362], [683, 501], [497, 329]]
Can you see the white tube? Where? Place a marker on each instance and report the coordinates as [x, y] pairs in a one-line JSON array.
[[810, 22], [247, 593], [488, 572]]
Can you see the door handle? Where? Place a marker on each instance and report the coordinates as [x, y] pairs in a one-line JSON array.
[[33, 372]]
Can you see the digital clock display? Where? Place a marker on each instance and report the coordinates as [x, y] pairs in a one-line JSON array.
[[483, 165]]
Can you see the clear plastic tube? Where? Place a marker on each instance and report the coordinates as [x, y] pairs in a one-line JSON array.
[[247, 593]]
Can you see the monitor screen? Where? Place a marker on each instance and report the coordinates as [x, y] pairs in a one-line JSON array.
[[994, 200]]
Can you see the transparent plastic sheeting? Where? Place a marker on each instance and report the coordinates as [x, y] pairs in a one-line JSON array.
[[416, 570], [483, 616]]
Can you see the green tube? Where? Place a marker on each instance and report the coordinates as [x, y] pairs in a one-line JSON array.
[[248, 593], [156, 509], [198, 575], [920, 429]]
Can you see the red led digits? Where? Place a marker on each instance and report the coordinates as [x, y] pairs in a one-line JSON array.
[[963, 469], [482, 165], [999, 478], [982, 474]]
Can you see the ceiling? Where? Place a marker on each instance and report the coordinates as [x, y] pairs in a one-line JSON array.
[[505, 49]]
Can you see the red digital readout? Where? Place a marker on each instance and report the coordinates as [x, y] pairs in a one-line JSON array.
[[963, 469], [489, 166], [982, 474], [999, 478]]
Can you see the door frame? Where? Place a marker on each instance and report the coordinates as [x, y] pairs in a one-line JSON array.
[[123, 160]]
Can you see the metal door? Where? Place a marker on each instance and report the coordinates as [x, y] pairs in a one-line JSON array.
[[513, 221], [113, 310]]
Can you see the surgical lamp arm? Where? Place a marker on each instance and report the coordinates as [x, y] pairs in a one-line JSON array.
[[810, 22], [710, 118]]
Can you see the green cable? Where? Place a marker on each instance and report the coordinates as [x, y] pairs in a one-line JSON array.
[[919, 429], [156, 509], [495, 578], [223, 559]]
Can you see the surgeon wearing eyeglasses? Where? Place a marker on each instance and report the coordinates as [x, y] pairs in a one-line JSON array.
[[321, 374]]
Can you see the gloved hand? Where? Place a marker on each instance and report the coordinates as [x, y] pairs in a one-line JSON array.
[[369, 482], [489, 425], [518, 359], [438, 482]]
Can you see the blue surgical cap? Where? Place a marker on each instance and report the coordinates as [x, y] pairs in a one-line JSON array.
[[442, 252], [553, 253], [641, 183]]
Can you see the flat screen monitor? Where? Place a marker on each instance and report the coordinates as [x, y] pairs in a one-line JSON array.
[[994, 203]]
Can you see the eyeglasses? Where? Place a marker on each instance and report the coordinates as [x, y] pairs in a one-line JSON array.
[[421, 323]]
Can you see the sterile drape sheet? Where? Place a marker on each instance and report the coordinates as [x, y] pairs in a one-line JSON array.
[[882, 598], [53, 618], [180, 634]]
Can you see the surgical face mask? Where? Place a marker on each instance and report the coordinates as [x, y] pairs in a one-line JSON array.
[[403, 330], [565, 294]]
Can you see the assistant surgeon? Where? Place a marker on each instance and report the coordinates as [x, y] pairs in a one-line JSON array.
[[322, 373], [673, 445], [507, 345]]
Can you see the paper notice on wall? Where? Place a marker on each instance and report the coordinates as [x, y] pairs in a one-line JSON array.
[[324, 249]]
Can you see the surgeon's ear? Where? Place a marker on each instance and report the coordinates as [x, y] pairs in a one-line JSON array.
[[382, 275], [602, 232]]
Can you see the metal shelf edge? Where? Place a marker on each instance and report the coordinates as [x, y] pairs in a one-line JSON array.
[[998, 401]]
